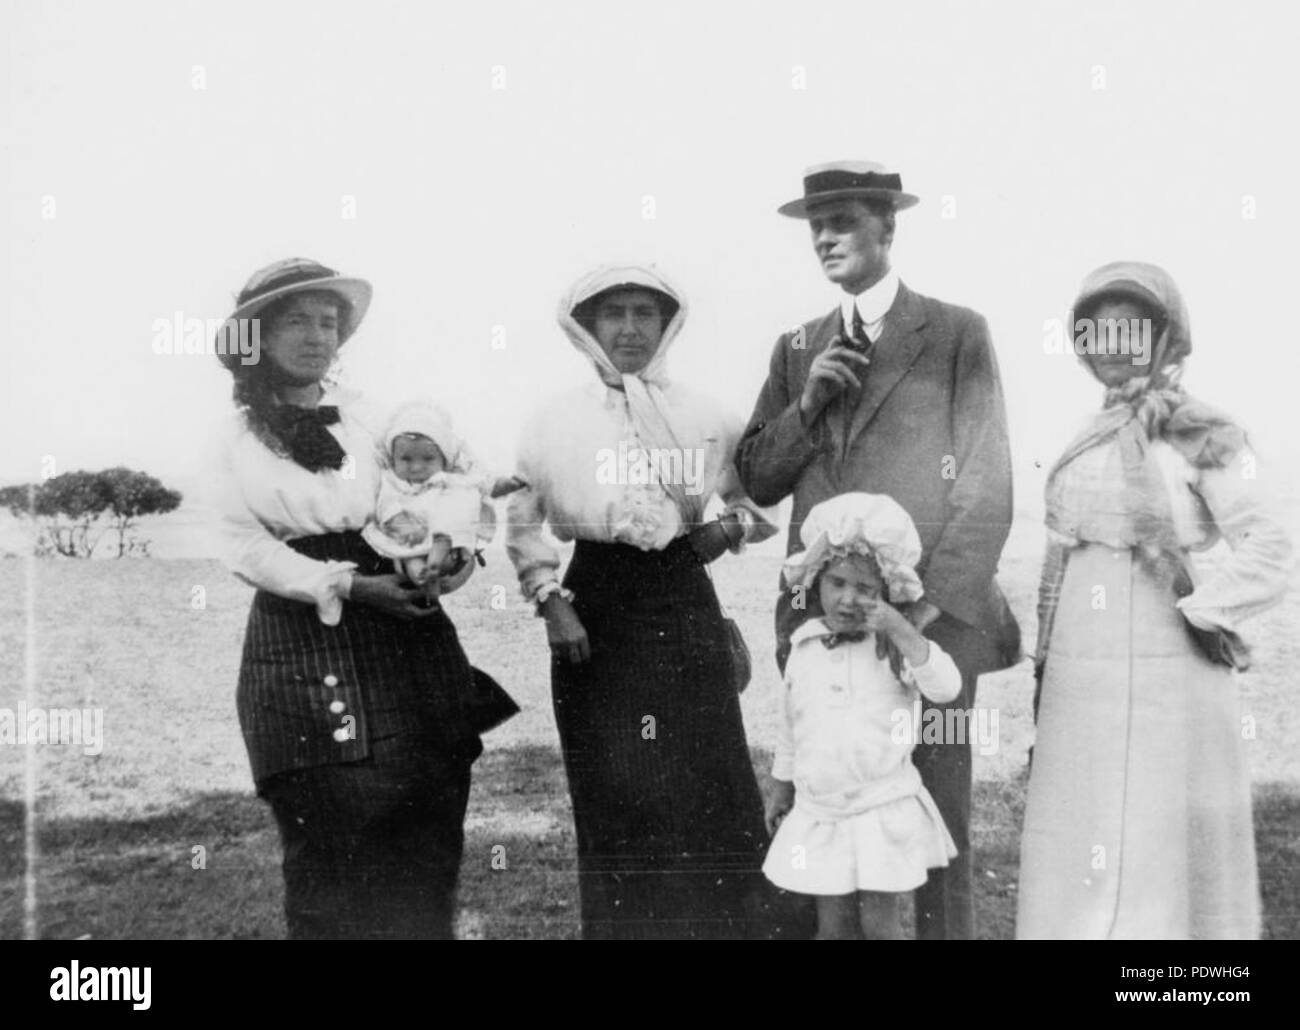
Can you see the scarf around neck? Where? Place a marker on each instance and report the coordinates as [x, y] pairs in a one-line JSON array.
[[1134, 415], [1147, 408], [645, 390]]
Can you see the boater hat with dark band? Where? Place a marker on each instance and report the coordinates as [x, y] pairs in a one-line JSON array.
[[293, 275], [840, 179]]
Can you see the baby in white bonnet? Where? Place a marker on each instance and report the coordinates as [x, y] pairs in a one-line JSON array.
[[433, 509]]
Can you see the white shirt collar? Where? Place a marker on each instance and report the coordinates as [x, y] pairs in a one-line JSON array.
[[873, 303]]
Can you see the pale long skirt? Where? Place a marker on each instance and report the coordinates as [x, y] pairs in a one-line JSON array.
[[1138, 819]]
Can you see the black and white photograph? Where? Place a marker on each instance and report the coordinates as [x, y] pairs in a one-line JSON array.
[[650, 471]]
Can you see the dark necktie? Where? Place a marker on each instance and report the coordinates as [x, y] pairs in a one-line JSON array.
[[858, 338], [835, 639], [303, 432]]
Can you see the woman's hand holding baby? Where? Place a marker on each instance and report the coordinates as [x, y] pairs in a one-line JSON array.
[[391, 594]]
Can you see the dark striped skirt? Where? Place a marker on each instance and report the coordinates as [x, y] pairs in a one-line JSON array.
[[311, 694], [361, 737], [668, 814]]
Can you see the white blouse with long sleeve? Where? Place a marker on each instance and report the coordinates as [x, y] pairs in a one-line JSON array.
[[263, 500], [582, 460], [1235, 504]]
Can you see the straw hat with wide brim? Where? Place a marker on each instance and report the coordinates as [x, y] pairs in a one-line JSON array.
[[292, 275], [841, 179]]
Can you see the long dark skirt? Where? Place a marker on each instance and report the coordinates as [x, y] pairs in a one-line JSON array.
[[372, 849], [360, 737], [667, 810]]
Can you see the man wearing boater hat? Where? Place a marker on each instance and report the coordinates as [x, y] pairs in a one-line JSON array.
[[894, 393]]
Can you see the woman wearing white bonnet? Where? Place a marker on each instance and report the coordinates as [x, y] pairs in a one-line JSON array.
[[666, 806], [854, 826]]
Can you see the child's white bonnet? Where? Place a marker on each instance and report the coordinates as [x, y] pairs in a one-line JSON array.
[[864, 524]]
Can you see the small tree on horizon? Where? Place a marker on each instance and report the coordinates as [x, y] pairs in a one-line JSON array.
[[71, 512], [70, 506], [132, 494]]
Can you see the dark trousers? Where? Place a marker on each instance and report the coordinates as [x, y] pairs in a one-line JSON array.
[[372, 849], [945, 904]]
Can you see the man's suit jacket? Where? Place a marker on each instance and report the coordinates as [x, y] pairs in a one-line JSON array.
[[928, 428]]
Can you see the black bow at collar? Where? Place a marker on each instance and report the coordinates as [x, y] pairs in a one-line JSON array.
[[303, 432]]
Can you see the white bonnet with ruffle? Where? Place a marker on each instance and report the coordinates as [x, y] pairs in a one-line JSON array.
[[425, 419], [869, 525]]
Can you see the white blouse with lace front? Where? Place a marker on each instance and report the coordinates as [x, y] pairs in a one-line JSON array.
[[584, 465], [1235, 504]]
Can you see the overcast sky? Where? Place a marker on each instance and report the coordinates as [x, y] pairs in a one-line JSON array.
[[471, 160]]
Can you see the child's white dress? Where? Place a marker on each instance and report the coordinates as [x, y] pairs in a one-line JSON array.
[[862, 820]]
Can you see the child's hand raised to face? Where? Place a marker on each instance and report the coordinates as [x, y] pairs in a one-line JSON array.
[[850, 592], [882, 617]]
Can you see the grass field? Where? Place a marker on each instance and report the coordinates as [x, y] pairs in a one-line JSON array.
[[118, 831]]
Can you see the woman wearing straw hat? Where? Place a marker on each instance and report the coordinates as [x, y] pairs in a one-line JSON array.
[[1138, 817], [355, 698], [667, 809]]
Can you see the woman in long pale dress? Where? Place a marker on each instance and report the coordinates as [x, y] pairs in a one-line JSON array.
[[1138, 819]]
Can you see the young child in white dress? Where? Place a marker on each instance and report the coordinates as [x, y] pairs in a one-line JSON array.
[[852, 824], [433, 508]]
